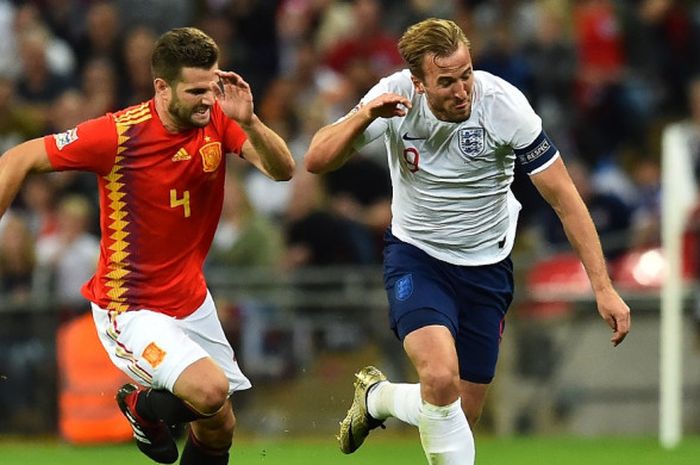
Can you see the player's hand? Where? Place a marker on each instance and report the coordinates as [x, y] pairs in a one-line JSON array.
[[235, 97], [388, 105], [616, 313]]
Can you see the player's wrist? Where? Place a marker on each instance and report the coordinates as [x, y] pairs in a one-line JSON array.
[[249, 124]]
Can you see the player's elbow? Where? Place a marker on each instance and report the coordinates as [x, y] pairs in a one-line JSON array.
[[284, 177], [318, 162], [283, 172], [312, 164], [29, 156]]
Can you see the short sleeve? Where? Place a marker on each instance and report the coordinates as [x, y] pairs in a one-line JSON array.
[[519, 127], [90, 146], [232, 134], [398, 83], [538, 155]]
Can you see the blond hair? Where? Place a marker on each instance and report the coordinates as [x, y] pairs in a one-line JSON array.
[[433, 36]]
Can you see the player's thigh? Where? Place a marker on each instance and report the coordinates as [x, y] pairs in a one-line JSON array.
[[417, 292], [148, 346], [432, 352], [485, 294], [204, 327]]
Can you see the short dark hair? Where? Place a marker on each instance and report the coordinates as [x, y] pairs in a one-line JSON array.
[[179, 48]]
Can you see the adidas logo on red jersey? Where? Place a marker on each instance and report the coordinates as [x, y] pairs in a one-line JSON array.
[[181, 155]]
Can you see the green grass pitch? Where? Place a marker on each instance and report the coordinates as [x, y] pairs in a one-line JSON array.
[[380, 451]]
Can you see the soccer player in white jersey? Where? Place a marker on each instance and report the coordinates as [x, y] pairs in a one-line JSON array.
[[453, 136]]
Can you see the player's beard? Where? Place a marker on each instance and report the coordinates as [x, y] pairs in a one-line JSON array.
[[184, 115], [446, 109]]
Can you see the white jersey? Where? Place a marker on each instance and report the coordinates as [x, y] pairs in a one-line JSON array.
[[451, 181]]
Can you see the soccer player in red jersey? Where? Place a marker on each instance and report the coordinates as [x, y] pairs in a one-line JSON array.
[[161, 171]]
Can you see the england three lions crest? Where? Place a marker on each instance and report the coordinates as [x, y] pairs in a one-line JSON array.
[[471, 141]]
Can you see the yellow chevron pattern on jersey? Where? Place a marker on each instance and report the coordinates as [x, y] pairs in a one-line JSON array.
[[118, 218], [135, 115]]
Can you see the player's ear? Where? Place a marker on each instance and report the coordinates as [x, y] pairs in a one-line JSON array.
[[418, 84], [161, 87]]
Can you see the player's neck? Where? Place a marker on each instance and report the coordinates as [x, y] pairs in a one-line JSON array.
[[164, 115]]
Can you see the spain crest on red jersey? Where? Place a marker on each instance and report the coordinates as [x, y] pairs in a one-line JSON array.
[[211, 156]]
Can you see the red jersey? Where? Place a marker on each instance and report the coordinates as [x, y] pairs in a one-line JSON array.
[[160, 200]]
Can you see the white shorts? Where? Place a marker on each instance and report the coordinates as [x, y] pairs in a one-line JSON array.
[[154, 349]]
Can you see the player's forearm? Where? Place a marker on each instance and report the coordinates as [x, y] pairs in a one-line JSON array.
[[275, 157], [13, 169], [332, 146], [582, 235]]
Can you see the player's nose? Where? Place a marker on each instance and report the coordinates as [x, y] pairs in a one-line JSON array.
[[461, 91], [209, 97]]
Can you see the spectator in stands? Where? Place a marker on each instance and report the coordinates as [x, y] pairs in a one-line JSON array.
[[646, 216], [59, 55], [255, 40], [38, 85], [102, 37], [368, 52], [611, 216], [70, 254], [552, 61], [503, 56], [160, 15], [244, 238], [9, 63], [17, 260], [99, 85], [138, 46], [317, 236], [17, 123], [405, 13], [360, 193], [663, 50], [38, 201], [66, 18], [693, 122]]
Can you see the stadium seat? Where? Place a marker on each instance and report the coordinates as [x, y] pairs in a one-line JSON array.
[[645, 269], [552, 283], [559, 275]]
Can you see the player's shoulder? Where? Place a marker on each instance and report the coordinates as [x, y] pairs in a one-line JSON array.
[[134, 114], [398, 82], [494, 86], [496, 96]]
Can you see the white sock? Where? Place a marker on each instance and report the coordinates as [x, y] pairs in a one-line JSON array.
[[445, 434], [398, 400]]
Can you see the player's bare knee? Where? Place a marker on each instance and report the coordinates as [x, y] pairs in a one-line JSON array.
[[210, 397], [440, 385]]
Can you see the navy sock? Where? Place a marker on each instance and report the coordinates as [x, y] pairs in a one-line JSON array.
[[195, 454], [154, 405]]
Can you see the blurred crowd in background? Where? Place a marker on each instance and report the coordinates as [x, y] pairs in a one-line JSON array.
[[606, 77]]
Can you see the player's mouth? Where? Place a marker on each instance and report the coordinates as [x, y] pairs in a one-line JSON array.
[[201, 113]]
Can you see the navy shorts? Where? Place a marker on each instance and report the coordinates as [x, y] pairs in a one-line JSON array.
[[471, 301]]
